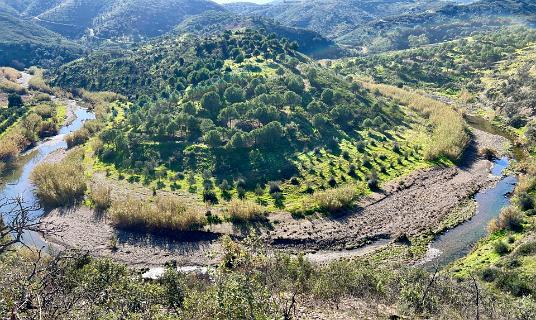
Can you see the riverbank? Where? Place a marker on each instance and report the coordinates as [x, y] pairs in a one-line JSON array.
[[417, 205]]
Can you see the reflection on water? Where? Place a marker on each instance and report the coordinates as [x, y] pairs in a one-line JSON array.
[[17, 183]]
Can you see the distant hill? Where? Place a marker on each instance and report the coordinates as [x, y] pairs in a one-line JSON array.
[[24, 43], [333, 18], [393, 24], [212, 22], [128, 19]]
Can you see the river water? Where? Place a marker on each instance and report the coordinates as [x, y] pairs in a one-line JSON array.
[[459, 241], [17, 182]]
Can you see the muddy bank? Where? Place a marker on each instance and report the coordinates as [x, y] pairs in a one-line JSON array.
[[83, 229]]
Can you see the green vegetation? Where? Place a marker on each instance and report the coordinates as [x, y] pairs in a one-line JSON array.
[[23, 43], [232, 108], [246, 284]]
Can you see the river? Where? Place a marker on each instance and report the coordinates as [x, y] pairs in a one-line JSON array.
[[459, 241], [17, 182]]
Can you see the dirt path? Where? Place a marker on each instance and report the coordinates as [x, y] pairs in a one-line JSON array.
[[413, 206], [24, 80]]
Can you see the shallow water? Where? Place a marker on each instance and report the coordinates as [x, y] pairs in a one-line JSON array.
[[17, 183], [458, 242]]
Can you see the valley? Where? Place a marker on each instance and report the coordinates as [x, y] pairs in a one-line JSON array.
[[286, 160]]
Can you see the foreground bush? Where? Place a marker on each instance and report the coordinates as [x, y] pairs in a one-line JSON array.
[[59, 184], [166, 213], [240, 211]]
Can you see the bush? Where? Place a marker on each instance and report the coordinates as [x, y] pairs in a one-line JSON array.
[[101, 196], [59, 184], [525, 201], [166, 213], [509, 219], [526, 249], [274, 186], [14, 100], [240, 211], [77, 138], [10, 148], [501, 248]]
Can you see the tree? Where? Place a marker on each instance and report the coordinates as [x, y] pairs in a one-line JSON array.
[[227, 115], [292, 98], [268, 135], [327, 96], [213, 139], [238, 141], [296, 85], [234, 94], [14, 100], [211, 102]]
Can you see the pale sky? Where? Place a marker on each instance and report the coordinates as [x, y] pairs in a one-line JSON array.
[[229, 1]]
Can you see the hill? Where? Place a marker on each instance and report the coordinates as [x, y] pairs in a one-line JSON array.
[[212, 22], [129, 19], [24, 43], [332, 18], [234, 107], [373, 26]]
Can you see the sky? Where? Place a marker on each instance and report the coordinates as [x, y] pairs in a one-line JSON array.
[[255, 1]]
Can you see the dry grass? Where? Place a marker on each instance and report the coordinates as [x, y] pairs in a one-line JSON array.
[[11, 87], [59, 184], [101, 197], [509, 219], [241, 211], [335, 200], [329, 202], [37, 82], [9, 74], [449, 135], [166, 213]]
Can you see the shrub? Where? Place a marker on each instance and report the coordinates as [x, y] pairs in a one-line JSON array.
[[11, 87], [166, 213], [9, 149], [77, 138], [210, 196], [526, 249], [274, 186], [101, 196], [59, 184], [525, 201], [14, 100], [501, 248], [334, 201], [240, 211], [509, 219], [332, 182]]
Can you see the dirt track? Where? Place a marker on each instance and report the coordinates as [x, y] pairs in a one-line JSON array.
[[415, 205]]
